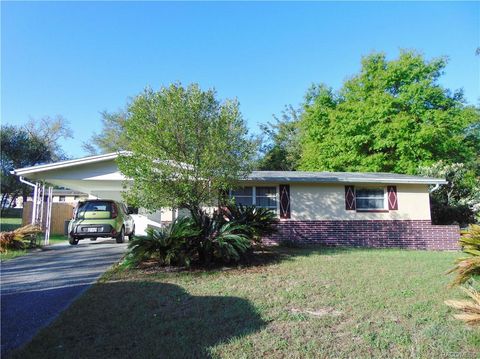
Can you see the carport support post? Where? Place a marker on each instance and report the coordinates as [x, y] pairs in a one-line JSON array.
[[34, 204], [48, 219], [42, 195]]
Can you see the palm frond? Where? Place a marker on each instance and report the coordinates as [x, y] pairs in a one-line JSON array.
[[260, 221], [470, 309], [168, 245], [15, 239], [468, 267]]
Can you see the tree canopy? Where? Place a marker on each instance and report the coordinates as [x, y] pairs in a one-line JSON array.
[[280, 148], [29, 145], [393, 116], [459, 200], [186, 147], [112, 136]]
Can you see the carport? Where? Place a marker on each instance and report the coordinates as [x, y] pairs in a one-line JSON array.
[[98, 176]]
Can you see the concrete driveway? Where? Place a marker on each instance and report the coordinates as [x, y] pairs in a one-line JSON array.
[[35, 288]]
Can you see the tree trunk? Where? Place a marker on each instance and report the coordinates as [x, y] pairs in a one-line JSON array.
[[4, 202]]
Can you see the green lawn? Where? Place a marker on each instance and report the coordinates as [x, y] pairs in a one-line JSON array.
[[303, 303], [54, 238], [10, 224]]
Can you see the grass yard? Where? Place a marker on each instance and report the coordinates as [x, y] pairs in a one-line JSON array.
[[316, 303], [10, 224], [54, 238]]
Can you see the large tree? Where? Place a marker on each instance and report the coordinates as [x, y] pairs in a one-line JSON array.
[[393, 116], [185, 148], [112, 136], [280, 150], [28, 145]]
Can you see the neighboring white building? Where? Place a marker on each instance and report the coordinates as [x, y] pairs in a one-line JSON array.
[[59, 195]]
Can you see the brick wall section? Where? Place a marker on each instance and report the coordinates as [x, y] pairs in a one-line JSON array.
[[414, 234]]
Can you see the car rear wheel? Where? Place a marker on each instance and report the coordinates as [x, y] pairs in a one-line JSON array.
[[121, 236], [73, 241]]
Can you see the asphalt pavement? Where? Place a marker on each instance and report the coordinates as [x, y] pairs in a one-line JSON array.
[[35, 288]]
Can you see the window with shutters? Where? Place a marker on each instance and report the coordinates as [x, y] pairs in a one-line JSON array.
[[370, 199]]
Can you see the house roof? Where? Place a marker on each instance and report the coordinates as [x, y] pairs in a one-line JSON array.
[[64, 164], [339, 177], [256, 176]]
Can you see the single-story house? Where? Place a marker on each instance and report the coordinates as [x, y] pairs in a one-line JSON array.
[[329, 208]]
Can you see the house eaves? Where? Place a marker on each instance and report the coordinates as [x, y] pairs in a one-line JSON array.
[[339, 177]]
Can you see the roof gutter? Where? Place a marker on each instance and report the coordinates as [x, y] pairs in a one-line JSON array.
[[35, 193], [437, 186]]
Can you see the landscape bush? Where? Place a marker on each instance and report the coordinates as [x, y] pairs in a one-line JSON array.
[[225, 236], [261, 222], [169, 245]]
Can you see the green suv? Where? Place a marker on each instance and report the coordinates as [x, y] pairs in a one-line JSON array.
[[100, 218]]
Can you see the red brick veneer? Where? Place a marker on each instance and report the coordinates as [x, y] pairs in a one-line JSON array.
[[415, 234]]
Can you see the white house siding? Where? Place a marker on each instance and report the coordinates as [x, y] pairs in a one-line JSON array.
[[327, 202]]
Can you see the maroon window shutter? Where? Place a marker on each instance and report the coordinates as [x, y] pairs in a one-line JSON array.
[[284, 201], [392, 198], [350, 198]]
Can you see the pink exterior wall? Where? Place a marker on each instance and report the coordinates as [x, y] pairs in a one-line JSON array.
[[413, 234]]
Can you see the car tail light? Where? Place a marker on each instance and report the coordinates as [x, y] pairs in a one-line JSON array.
[[114, 210]]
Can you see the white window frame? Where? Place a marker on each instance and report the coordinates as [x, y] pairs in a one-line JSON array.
[[230, 194], [385, 199], [254, 197], [275, 207]]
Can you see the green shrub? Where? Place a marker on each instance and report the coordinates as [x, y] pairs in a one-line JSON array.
[[222, 240], [231, 242], [170, 245], [203, 239], [261, 222]]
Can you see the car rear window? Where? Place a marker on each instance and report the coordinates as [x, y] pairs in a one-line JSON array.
[[96, 206]]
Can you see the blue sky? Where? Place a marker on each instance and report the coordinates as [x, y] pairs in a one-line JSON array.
[[77, 59]]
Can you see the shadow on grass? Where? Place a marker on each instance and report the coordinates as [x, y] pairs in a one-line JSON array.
[[261, 256], [144, 320]]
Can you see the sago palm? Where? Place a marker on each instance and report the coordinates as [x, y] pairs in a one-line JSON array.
[[168, 245], [466, 270], [15, 239], [230, 241], [470, 309]]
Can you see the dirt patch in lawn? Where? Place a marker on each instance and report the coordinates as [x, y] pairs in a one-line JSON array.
[[320, 312]]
